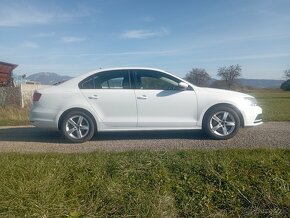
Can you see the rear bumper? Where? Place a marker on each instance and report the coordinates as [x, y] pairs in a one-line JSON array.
[[43, 118]]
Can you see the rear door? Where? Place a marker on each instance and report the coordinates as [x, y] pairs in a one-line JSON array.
[[111, 96]]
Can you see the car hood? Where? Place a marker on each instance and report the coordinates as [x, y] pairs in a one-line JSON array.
[[224, 92]]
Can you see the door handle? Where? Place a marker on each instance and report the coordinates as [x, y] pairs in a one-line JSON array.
[[94, 97], [142, 97]]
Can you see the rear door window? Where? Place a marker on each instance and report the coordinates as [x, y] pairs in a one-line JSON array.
[[115, 79]]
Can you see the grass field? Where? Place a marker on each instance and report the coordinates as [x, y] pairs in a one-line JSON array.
[[147, 184], [275, 104]]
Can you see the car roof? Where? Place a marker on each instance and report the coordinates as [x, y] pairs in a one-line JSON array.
[[128, 68]]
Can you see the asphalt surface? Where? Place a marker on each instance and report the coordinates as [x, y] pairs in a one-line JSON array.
[[31, 139]]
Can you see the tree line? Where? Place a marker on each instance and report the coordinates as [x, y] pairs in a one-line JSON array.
[[228, 77]]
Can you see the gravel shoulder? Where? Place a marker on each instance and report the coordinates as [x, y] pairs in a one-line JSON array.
[[31, 139]]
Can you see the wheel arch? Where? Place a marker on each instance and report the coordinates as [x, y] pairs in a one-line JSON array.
[[242, 123], [77, 109]]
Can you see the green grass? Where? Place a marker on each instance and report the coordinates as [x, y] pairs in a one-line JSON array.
[[13, 116], [147, 184], [275, 104]]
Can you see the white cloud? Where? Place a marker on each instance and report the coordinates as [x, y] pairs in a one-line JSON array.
[[44, 35], [164, 52], [30, 45], [22, 15], [82, 54], [71, 39], [14, 17], [246, 57], [144, 34], [148, 19]]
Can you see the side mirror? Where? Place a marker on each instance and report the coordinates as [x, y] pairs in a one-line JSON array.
[[182, 85]]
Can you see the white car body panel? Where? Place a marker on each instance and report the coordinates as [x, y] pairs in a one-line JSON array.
[[166, 108], [209, 97], [116, 108], [128, 109]]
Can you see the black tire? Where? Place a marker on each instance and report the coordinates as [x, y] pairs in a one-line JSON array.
[[221, 122], [77, 127]]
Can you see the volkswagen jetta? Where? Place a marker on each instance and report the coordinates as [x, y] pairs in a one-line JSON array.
[[123, 99]]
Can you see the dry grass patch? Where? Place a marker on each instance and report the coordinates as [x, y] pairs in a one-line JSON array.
[[13, 116]]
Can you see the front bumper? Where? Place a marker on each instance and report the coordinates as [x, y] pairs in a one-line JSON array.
[[252, 116]]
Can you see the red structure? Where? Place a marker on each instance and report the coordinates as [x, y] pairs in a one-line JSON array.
[[6, 74]]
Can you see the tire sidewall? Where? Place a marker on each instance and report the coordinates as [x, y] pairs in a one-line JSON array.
[[91, 127], [208, 116]]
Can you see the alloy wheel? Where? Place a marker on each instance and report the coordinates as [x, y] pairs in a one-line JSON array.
[[222, 123], [77, 127]]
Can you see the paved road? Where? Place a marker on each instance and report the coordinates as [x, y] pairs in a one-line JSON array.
[[30, 139]]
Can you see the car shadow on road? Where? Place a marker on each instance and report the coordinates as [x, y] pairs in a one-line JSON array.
[[32, 134], [147, 135]]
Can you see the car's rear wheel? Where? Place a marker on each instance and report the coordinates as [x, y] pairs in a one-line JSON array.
[[77, 127], [221, 122]]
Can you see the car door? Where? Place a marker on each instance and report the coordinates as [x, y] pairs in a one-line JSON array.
[[161, 103], [111, 96]]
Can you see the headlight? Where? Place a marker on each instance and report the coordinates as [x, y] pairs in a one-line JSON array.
[[251, 101]]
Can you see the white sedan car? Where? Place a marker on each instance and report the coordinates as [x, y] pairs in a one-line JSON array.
[[126, 99]]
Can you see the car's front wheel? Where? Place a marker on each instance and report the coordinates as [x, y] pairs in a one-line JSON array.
[[221, 122], [77, 127]]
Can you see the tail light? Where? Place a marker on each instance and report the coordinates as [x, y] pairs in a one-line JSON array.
[[36, 96]]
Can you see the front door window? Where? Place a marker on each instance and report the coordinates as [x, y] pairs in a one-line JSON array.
[[154, 80]]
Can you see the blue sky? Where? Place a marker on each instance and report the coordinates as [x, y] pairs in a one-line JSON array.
[[71, 37]]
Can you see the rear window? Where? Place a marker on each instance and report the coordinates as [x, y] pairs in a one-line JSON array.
[[115, 79]]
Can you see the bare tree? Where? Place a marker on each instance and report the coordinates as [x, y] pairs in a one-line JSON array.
[[230, 74], [198, 76], [287, 73]]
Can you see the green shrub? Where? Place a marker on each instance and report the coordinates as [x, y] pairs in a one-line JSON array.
[[285, 85]]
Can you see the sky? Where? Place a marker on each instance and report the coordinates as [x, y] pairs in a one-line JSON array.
[[71, 37]]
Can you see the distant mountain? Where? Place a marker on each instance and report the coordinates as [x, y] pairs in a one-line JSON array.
[[47, 78], [261, 83]]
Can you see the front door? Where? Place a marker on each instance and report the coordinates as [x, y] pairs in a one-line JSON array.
[[161, 103]]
